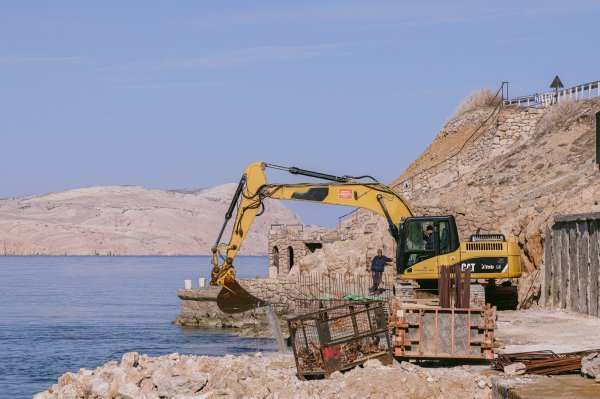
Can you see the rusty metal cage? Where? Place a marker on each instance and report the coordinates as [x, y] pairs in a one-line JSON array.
[[340, 338]]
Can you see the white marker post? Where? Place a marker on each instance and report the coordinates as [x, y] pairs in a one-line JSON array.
[[201, 282], [188, 284]]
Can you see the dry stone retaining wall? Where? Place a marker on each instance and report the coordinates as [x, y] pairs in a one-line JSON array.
[[512, 124]]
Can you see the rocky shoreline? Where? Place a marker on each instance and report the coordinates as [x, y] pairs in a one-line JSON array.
[[273, 375], [262, 376]]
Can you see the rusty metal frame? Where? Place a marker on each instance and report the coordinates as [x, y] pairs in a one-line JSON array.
[[454, 287], [405, 347]]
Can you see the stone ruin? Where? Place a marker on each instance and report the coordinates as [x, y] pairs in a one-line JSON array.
[[289, 243]]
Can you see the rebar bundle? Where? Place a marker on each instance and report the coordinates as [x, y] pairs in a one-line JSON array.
[[544, 362]]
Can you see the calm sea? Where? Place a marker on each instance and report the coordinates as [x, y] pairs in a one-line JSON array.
[[60, 314]]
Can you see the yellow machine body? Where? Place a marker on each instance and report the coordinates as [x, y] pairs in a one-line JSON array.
[[486, 260], [486, 257]]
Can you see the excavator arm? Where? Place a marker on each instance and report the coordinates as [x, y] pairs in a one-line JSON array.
[[248, 199]]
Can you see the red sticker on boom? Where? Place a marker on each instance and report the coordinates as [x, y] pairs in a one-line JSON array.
[[345, 194]]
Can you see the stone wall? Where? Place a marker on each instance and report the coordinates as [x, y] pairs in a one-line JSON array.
[[199, 307], [289, 245], [285, 246], [511, 125]]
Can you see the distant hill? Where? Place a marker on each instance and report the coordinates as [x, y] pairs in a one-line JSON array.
[[127, 220]]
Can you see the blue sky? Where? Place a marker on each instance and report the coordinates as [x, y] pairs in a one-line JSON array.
[[187, 93]]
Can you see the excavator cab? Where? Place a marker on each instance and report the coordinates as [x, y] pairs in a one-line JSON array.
[[427, 243], [422, 238]]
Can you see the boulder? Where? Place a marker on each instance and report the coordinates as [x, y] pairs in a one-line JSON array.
[[372, 364], [590, 366], [129, 391], [515, 369], [181, 385], [336, 375], [229, 386], [149, 389], [407, 366], [100, 388], [130, 359], [70, 392]]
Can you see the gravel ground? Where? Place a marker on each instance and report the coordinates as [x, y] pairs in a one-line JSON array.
[[540, 329]]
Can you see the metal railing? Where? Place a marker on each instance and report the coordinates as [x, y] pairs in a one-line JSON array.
[[579, 92]]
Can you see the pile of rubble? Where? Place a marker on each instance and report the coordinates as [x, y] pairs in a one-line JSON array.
[[261, 376]]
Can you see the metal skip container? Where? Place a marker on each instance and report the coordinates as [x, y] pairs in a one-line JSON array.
[[340, 338], [444, 333]]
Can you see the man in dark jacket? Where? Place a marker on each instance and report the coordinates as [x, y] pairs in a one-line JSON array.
[[428, 238], [377, 268]]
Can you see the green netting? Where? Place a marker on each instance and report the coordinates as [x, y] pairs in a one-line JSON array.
[[362, 298]]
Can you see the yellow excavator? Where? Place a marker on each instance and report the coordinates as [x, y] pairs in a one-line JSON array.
[[418, 258]]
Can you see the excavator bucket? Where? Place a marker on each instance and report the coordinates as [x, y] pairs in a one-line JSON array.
[[235, 299]]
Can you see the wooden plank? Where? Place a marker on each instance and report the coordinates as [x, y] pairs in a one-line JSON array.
[[573, 284], [577, 217], [556, 264], [583, 245], [594, 308], [545, 298], [564, 278]]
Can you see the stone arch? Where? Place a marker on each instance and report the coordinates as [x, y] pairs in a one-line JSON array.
[[276, 258], [290, 251]]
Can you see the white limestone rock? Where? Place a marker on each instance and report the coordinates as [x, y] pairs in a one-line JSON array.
[[590, 365]]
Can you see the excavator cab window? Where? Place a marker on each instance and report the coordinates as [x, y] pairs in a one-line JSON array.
[[424, 237], [444, 228], [420, 241]]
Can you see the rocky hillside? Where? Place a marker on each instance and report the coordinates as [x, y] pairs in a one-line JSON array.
[[507, 170], [126, 220]]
